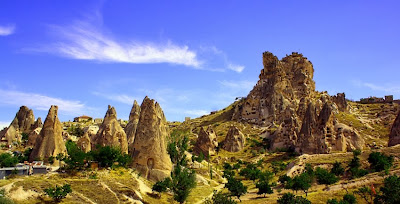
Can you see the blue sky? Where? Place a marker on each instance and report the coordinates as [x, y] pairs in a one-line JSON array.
[[193, 57]]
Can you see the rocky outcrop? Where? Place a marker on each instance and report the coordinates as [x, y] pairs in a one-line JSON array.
[[50, 141], [206, 142], [284, 101], [33, 137], [110, 132], [234, 140], [394, 136], [84, 143], [22, 123], [91, 130], [131, 127], [150, 155], [38, 123], [352, 138]]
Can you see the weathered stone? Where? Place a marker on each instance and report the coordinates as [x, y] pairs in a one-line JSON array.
[[33, 137], [340, 101], [351, 136], [50, 141], [110, 132], [22, 123], [91, 130], [131, 127], [38, 124], [150, 155], [84, 143], [394, 136], [206, 142], [234, 140]]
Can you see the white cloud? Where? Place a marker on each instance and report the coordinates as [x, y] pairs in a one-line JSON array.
[[238, 85], [122, 98], [40, 102], [4, 124], [7, 30], [196, 113], [236, 68], [86, 42], [217, 60], [387, 88]]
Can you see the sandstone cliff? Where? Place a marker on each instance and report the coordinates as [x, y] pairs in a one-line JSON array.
[[234, 140], [394, 136], [285, 101], [149, 148], [84, 143], [110, 132], [131, 127], [50, 141], [22, 123]]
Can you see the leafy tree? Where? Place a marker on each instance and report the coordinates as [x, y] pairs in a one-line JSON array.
[[354, 166], [107, 156], [347, 199], [228, 174], [325, 177], [162, 186], [390, 192], [250, 172], [337, 168], [236, 187], [182, 182], [24, 156], [380, 161], [59, 192], [264, 187], [289, 198], [76, 157], [278, 166], [284, 179], [301, 182], [220, 198], [8, 160]]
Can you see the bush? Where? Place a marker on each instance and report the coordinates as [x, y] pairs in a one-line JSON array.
[[325, 177], [220, 198], [183, 180], [347, 199], [289, 198], [162, 186], [108, 156], [390, 192], [236, 187], [59, 192], [8, 160], [337, 169], [379, 161]]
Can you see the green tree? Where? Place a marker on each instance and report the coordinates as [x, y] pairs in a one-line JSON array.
[[162, 186], [380, 161], [366, 193], [220, 198], [108, 156], [236, 187], [59, 192], [8, 160], [183, 181], [264, 187], [337, 168], [325, 177], [390, 192], [354, 166], [347, 199], [289, 198], [301, 182]]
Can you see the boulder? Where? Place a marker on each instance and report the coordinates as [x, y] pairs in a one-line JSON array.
[[206, 142], [50, 141], [149, 148], [234, 140], [131, 127], [110, 132], [394, 136]]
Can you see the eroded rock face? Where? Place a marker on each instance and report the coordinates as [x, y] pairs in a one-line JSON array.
[[284, 101], [50, 141], [150, 155], [234, 140], [84, 143], [394, 136], [33, 137], [22, 123], [206, 142], [131, 127], [38, 123], [110, 132]]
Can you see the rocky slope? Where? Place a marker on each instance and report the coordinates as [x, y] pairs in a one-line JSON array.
[[23, 123], [149, 148], [206, 142]]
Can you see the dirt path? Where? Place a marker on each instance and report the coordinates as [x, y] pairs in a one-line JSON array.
[[108, 188], [84, 197]]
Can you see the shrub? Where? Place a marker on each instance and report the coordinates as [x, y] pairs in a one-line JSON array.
[[8, 160], [337, 169], [390, 192], [182, 182], [289, 198], [162, 186], [236, 187], [325, 177], [380, 161], [59, 192], [220, 198]]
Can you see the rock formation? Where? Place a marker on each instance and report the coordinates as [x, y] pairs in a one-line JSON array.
[[206, 142], [84, 143], [50, 141], [110, 132], [149, 148], [91, 130], [22, 123], [234, 140], [394, 136], [38, 124], [284, 100], [33, 137], [131, 127]]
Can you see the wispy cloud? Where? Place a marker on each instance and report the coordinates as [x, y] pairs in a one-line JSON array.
[[40, 102], [196, 113], [242, 85], [7, 30], [84, 41], [387, 88], [122, 98], [217, 60]]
